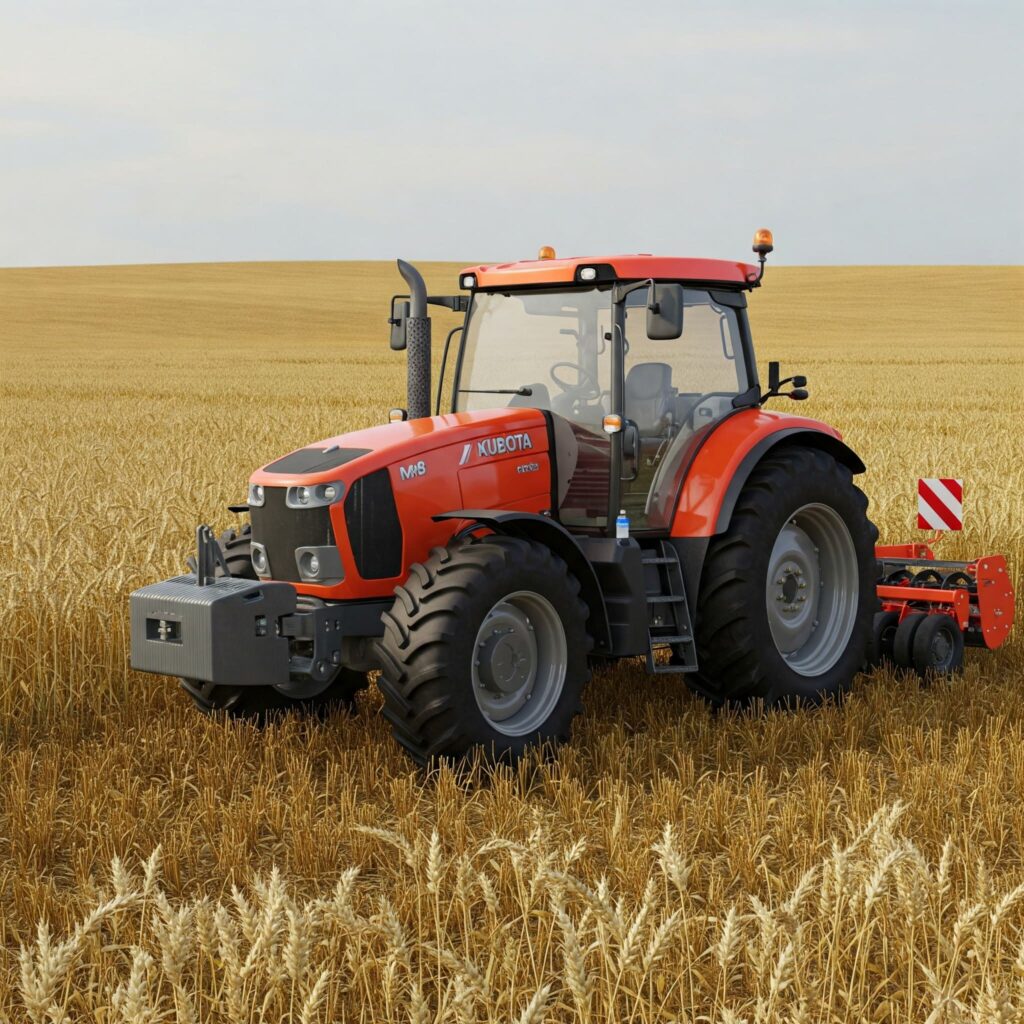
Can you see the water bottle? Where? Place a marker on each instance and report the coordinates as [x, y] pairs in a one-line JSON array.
[[622, 525]]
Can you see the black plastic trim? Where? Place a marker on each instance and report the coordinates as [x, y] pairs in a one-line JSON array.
[[552, 460], [374, 528], [733, 299], [794, 436], [315, 460]]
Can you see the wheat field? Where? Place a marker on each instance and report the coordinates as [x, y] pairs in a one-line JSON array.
[[855, 863]]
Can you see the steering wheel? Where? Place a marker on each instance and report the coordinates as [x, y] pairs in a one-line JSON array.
[[585, 387]]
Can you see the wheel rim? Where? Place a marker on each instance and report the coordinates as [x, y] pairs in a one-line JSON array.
[[519, 663], [812, 589], [940, 651]]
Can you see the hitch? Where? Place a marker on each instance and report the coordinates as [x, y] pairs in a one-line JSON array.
[[207, 558]]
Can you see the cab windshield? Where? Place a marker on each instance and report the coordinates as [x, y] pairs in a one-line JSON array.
[[542, 349], [551, 349]]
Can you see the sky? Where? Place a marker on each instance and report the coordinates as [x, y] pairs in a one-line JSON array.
[[859, 132]]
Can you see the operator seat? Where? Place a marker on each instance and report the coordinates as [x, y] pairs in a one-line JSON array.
[[649, 398]]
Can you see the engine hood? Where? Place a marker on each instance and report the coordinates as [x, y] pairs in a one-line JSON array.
[[347, 456]]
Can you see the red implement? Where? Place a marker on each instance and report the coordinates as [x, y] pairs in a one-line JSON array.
[[978, 595]]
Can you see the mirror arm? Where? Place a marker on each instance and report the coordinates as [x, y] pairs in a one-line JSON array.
[[620, 291], [456, 303], [798, 394]]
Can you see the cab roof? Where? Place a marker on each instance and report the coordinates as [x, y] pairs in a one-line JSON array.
[[636, 266]]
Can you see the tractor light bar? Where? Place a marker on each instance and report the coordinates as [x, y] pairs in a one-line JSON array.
[[468, 281], [314, 495], [256, 496]]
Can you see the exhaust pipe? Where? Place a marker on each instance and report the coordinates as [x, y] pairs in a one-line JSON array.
[[418, 342]]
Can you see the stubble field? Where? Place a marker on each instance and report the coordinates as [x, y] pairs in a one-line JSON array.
[[853, 863]]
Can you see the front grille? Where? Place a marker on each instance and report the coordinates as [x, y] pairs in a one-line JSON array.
[[374, 529], [281, 530]]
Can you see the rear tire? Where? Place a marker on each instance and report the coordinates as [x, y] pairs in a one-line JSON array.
[[787, 594], [259, 703], [486, 646]]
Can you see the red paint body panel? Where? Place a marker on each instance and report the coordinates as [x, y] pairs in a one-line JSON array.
[[447, 445], [629, 267], [528, 476], [901, 598], [995, 599], [716, 463], [904, 552]]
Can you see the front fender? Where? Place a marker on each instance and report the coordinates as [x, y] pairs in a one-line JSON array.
[[728, 456], [544, 530]]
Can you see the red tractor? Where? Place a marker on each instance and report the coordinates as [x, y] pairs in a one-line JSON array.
[[607, 484]]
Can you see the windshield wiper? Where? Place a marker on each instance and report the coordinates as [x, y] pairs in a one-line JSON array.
[[496, 391]]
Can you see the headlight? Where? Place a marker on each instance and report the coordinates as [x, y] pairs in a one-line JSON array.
[[313, 496], [320, 565], [256, 495], [259, 560]]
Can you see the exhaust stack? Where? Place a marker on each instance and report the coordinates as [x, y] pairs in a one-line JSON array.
[[418, 342]]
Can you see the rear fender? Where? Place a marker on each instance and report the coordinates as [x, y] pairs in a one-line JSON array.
[[544, 530], [727, 458]]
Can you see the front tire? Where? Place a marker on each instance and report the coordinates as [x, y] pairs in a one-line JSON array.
[[486, 646], [787, 595], [259, 703]]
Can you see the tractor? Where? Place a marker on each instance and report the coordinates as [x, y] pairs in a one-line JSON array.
[[607, 483]]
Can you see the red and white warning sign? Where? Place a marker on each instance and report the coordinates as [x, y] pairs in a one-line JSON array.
[[940, 504]]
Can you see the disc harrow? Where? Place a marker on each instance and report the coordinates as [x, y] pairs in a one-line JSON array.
[[974, 601]]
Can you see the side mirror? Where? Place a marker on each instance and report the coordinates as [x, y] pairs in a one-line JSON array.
[[775, 382], [399, 315], [665, 312]]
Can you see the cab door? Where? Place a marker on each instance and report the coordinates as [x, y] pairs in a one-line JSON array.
[[674, 393]]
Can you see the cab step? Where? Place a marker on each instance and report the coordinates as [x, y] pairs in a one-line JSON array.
[[668, 613]]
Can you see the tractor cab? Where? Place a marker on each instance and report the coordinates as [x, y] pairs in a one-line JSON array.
[[638, 391]]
